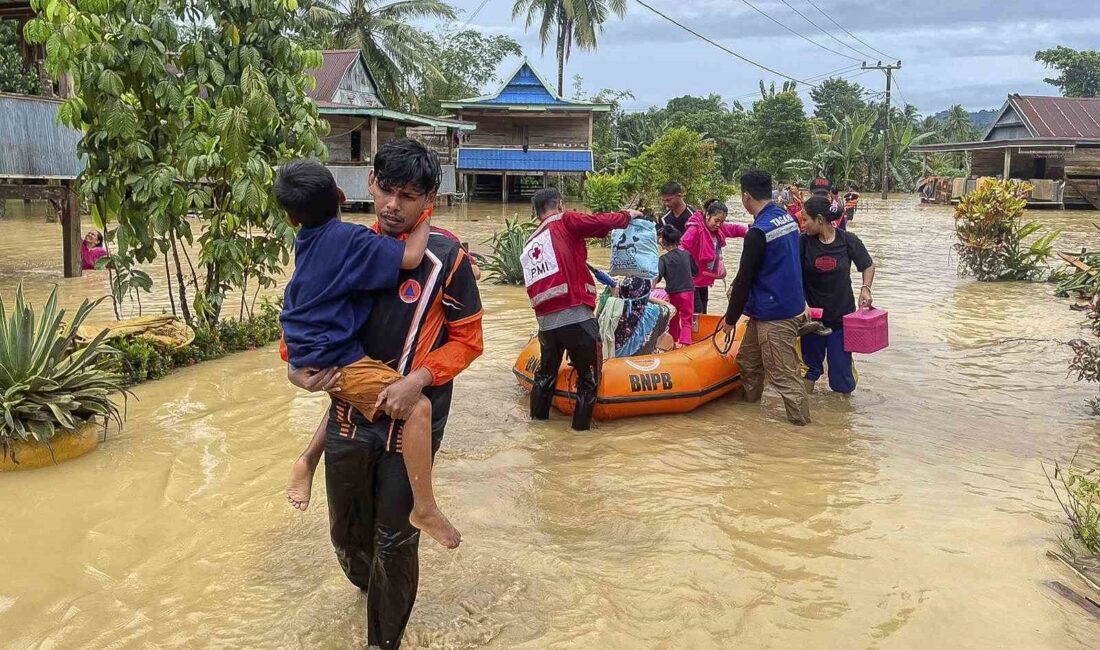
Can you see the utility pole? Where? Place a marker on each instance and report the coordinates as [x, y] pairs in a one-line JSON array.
[[889, 70]]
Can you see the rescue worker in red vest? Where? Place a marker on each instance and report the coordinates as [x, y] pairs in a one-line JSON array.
[[563, 295]]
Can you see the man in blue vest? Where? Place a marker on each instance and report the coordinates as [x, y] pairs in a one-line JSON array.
[[768, 289]]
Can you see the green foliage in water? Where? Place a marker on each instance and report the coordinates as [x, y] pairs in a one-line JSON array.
[[603, 192], [992, 239], [140, 359], [47, 382], [679, 155], [186, 108], [502, 265], [1078, 492]]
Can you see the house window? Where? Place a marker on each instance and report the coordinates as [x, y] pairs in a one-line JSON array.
[[356, 145]]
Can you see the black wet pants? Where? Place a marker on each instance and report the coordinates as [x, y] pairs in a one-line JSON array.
[[369, 502], [702, 297], [582, 342]]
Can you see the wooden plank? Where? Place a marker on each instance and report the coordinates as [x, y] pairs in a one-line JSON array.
[[1081, 266], [373, 138], [70, 229], [1085, 603], [33, 192]]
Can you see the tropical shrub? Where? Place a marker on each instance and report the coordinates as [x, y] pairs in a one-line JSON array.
[[991, 238], [1078, 493], [679, 155], [47, 383], [140, 359], [503, 265], [603, 192]]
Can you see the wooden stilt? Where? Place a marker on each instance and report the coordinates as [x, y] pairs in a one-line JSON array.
[[70, 228]]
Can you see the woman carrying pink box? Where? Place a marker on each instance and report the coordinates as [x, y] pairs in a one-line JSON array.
[[827, 255]]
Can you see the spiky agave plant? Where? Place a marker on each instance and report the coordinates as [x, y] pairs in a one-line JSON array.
[[47, 382], [503, 264]]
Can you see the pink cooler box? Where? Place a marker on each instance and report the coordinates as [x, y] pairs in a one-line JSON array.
[[866, 331]]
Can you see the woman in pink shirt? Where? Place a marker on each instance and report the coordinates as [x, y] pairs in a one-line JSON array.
[[91, 249], [705, 238]]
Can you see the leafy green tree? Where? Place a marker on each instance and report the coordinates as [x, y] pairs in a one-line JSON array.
[[568, 22], [1080, 70], [682, 155], [15, 76], [384, 32], [467, 60], [603, 192], [777, 131], [835, 99], [176, 126], [838, 154]]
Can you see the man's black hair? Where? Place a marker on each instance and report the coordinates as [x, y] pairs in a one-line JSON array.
[[670, 234], [758, 184], [714, 206], [817, 206], [404, 162], [546, 199], [671, 188], [308, 192]]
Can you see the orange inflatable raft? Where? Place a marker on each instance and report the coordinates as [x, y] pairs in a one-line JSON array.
[[673, 382]]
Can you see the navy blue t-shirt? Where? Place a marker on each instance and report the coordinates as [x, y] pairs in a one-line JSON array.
[[325, 303]]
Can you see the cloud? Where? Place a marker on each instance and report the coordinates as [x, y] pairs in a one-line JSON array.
[[972, 52]]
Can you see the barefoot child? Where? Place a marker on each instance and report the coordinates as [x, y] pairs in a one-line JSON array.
[[326, 303], [678, 269]]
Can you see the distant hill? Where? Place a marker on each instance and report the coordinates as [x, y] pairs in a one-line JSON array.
[[980, 119]]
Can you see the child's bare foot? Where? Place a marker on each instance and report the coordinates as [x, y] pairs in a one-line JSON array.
[[431, 520], [301, 482]]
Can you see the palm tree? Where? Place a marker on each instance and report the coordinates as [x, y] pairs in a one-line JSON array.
[[383, 32], [568, 22], [957, 126]]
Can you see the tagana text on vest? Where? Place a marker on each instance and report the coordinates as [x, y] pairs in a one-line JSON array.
[[777, 294]]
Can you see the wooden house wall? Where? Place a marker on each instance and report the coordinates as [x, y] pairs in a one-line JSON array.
[[339, 139], [356, 89], [543, 132]]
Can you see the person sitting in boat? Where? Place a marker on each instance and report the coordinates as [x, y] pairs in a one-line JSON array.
[[704, 239], [633, 321]]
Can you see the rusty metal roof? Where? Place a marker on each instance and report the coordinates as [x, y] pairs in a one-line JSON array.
[[1060, 117], [331, 73]]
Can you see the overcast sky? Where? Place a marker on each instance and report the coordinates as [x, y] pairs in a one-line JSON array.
[[969, 52]]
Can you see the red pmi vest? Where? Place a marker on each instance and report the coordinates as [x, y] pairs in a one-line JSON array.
[[555, 258]]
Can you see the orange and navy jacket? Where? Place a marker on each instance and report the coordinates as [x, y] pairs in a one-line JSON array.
[[851, 200], [431, 321]]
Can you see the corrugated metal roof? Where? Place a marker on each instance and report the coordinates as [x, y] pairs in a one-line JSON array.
[[32, 143], [532, 160], [1060, 117], [331, 72]]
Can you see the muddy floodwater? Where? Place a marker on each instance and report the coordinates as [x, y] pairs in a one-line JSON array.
[[912, 514]]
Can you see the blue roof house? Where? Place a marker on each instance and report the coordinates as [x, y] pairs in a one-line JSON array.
[[524, 130]]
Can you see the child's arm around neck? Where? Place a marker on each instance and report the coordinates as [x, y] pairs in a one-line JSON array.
[[415, 245]]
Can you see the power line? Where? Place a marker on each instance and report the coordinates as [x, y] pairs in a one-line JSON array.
[[818, 27], [848, 32], [474, 15], [722, 47], [825, 75], [799, 34]]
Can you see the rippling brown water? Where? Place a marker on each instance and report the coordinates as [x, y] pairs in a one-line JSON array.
[[911, 514]]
